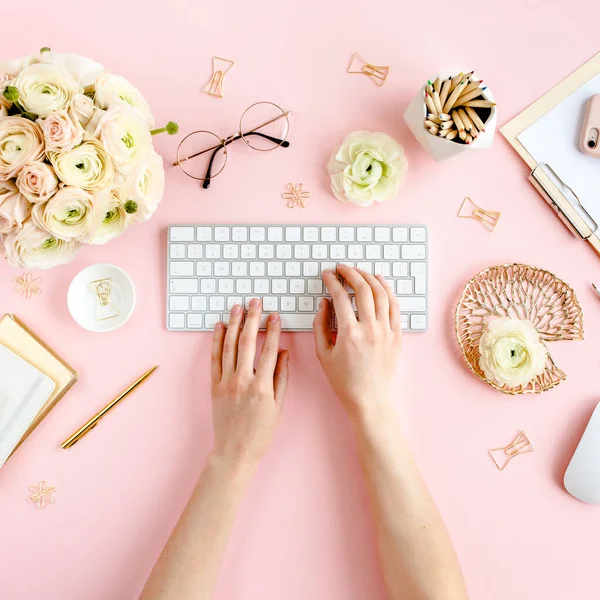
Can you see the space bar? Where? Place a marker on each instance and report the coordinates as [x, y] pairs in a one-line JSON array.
[[297, 320]]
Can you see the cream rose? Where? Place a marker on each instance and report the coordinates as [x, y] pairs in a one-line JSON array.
[[366, 168], [82, 69], [125, 136], [61, 132], [21, 141], [111, 218], [87, 166], [37, 181], [68, 215], [81, 109], [145, 187], [14, 208], [113, 89], [511, 352], [35, 248], [44, 88]]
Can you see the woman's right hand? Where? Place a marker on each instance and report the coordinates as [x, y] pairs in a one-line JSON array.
[[360, 363]]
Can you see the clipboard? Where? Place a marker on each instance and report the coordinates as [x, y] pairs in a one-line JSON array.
[[557, 192]]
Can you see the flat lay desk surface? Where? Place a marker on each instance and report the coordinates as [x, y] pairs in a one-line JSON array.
[[304, 531]]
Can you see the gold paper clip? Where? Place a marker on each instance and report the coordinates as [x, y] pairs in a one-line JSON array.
[[488, 218], [221, 66], [296, 196], [359, 65], [520, 445], [102, 289]]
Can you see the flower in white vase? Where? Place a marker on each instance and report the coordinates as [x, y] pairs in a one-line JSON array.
[[511, 352], [367, 167], [37, 181]]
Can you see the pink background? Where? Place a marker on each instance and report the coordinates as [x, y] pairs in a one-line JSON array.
[[304, 531]]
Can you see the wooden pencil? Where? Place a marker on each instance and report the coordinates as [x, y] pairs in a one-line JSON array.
[[451, 134], [435, 118], [453, 97], [475, 118], [444, 117], [470, 96], [445, 91], [429, 123], [479, 104], [458, 121], [455, 81], [443, 132], [447, 125], [470, 87], [437, 84], [469, 139], [462, 135], [464, 117], [436, 102], [434, 130], [429, 87], [430, 104]]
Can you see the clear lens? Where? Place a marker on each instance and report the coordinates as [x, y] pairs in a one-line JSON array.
[[264, 126], [202, 155]]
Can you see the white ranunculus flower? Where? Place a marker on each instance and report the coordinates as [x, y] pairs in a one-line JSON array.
[[366, 168], [14, 208], [33, 248], [125, 136], [111, 219], [511, 352], [87, 166], [21, 141], [82, 69], [5, 79], [145, 187], [44, 88], [114, 89], [68, 215], [81, 108], [14, 67], [61, 131], [37, 181]]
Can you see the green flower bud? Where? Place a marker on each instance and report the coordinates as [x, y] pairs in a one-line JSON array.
[[171, 128], [44, 49], [11, 93], [131, 207]]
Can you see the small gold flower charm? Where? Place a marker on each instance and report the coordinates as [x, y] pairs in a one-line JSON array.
[[41, 494], [27, 285], [296, 195]]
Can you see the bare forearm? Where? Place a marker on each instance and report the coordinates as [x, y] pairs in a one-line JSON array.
[[417, 556], [189, 565]]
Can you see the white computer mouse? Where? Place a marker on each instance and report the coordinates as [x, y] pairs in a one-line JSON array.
[[582, 478]]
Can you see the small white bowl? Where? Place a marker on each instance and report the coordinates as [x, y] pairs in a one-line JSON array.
[[83, 303]]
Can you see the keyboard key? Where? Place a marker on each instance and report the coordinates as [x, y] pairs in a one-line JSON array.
[[231, 251], [270, 303], [417, 234], [382, 268], [400, 234], [284, 251], [203, 269], [364, 234], [226, 286], [292, 269], [297, 321], [243, 286], [194, 251], [239, 234], [176, 321], [337, 251], [266, 251], [315, 286], [310, 269], [306, 304], [418, 271], [257, 234], [391, 252], [404, 287], [275, 234], [262, 286], [247, 301], [257, 269], [208, 286], [233, 300], [373, 252], [221, 269], [301, 251], [288, 304], [404, 322], [329, 265], [248, 251], [239, 269], [418, 322], [328, 234], [181, 269], [182, 234], [319, 251], [412, 304], [212, 251], [382, 234], [356, 251], [203, 234], [279, 286], [183, 286], [348, 263], [297, 286], [400, 269], [194, 321], [199, 303], [216, 303], [414, 252], [275, 269], [211, 320], [346, 234], [177, 251], [311, 234], [221, 234], [179, 303], [292, 234], [365, 266]]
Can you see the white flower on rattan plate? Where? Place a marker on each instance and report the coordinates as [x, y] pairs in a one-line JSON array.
[[367, 167], [41, 494]]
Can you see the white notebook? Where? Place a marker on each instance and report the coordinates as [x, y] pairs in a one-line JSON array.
[[23, 392]]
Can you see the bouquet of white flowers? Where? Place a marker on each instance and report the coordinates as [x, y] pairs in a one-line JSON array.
[[77, 164]]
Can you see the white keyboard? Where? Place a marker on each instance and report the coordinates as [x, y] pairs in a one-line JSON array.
[[212, 267]]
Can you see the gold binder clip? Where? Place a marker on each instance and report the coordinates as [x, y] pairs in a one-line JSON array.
[[488, 218], [359, 65], [520, 445], [221, 66]]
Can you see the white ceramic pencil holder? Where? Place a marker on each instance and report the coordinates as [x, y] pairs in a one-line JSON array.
[[438, 147]]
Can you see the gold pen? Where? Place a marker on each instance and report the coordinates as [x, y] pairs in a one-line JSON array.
[[73, 439]]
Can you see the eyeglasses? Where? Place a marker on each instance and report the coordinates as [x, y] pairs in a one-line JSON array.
[[202, 155]]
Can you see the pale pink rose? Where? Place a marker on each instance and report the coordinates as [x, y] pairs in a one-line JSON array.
[[34, 248], [61, 132], [21, 141], [14, 208], [5, 79], [81, 108], [37, 181]]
